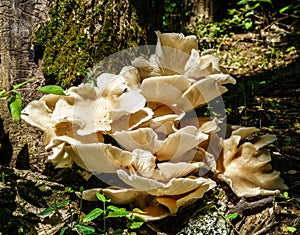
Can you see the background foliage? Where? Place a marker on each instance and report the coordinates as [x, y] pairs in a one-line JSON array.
[[81, 33]]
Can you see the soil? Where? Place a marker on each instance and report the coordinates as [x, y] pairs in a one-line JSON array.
[[266, 95]]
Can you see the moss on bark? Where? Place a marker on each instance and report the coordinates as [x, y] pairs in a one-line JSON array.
[[80, 33]]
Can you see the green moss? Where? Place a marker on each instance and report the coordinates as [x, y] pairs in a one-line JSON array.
[[81, 33]]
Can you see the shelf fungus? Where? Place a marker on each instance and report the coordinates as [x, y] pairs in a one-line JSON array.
[[161, 148], [246, 167]]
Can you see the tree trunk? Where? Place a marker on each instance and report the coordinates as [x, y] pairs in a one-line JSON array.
[[150, 13], [17, 19], [18, 62], [202, 11]]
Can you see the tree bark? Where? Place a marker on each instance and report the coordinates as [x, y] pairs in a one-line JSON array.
[[18, 62], [202, 11], [17, 19]]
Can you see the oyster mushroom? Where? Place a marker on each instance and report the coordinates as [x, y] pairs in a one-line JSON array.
[[173, 51], [246, 168], [179, 93], [174, 147], [173, 203], [200, 66]]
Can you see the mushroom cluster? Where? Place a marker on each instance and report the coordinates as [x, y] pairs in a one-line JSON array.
[[161, 149]]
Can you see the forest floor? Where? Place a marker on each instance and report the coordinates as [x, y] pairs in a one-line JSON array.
[[266, 95]]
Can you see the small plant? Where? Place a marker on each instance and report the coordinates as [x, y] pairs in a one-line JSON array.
[[75, 222], [14, 99], [110, 212]]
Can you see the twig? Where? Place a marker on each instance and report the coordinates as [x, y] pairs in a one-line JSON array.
[[274, 22], [231, 224], [265, 229], [243, 205]]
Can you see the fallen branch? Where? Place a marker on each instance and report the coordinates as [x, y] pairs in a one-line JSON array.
[[243, 205], [265, 229]]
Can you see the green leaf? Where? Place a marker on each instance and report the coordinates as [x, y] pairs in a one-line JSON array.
[[291, 229], [62, 231], [93, 215], [292, 48], [284, 9], [286, 195], [15, 106], [232, 216], [85, 229], [117, 212], [136, 218], [81, 189], [248, 25], [47, 211], [2, 92], [64, 203], [52, 89], [22, 84], [118, 231], [102, 198], [138, 210], [134, 225]]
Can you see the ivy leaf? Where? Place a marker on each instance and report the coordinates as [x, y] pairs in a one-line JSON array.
[[47, 211], [85, 229], [52, 89], [117, 212], [93, 215], [232, 216], [15, 106]]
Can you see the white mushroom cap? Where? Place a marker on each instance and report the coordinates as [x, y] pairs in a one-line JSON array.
[[178, 144], [132, 77], [132, 121], [175, 186], [203, 91], [117, 195], [174, 203], [142, 138], [128, 103], [173, 51], [200, 66], [174, 147], [60, 158], [38, 114], [146, 68], [102, 158], [177, 41], [179, 93], [248, 170], [166, 90]]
